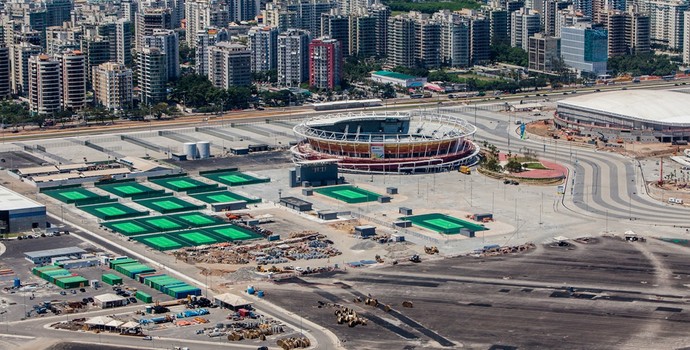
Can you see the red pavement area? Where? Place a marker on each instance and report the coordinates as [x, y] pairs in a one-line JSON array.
[[554, 170]]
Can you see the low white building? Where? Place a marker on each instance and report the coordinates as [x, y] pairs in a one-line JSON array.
[[109, 300], [395, 78]]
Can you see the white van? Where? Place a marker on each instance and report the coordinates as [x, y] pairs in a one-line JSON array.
[[679, 201], [671, 200]]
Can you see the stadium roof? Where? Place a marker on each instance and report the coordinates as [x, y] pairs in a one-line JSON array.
[[656, 106], [394, 75]]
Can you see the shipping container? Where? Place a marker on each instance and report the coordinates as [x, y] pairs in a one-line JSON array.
[[111, 279], [143, 297]]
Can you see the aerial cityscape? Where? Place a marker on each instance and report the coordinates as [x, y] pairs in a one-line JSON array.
[[344, 174]]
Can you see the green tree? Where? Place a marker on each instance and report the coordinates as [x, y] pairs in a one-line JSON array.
[[507, 54], [514, 166], [642, 64]]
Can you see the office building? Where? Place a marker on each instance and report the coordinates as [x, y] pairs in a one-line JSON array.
[[544, 53], [152, 70], [112, 86], [44, 85], [263, 45], [72, 79], [585, 49], [293, 57], [325, 63], [168, 42], [229, 65]]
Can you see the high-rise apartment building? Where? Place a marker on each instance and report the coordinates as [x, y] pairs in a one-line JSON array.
[[5, 72], [243, 10], [20, 54], [263, 45], [325, 63], [96, 51], [480, 39], [44, 85], [152, 70], [524, 23], [205, 39], [666, 22], [299, 14], [401, 41], [455, 39], [65, 37], [72, 79], [362, 37], [337, 26], [205, 14], [168, 42], [499, 26], [57, 12], [293, 57], [229, 65], [150, 19], [123, 42], [382, 14], [112, 86]]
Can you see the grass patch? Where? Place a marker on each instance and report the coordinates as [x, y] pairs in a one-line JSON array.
[[526, 159], [535, 166], [475, 76]]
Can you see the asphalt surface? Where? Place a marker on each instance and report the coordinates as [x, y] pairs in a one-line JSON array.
[[549, 298]]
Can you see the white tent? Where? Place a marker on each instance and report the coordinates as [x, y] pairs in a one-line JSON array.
[[98, 321]]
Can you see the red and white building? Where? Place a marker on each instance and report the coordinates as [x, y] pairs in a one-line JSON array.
[[325, 63]]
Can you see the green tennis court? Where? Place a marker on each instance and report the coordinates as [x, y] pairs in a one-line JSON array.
[[348, 194], [161, 242], [223, 197], [181, 183], [128, 189], [130, 227], [197, 237], [162, 223], [234, 178], [442, 223], [168, 204], [76, 195], [233, 233], [196, 219], [112, 211]]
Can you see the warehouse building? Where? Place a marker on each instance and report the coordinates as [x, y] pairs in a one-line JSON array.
[[19, 213], [46, 256], [395, 78]]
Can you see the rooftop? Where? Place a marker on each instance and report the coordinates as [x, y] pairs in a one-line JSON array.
[[10, 200], [394, 75], [659, 106], [54, 252]]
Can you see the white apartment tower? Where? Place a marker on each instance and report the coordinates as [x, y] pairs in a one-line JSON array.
[[523, 23], [44, 85], [293, 57], [168, 42], [112, 86], [263, 44], [72, 79], [229, 65]]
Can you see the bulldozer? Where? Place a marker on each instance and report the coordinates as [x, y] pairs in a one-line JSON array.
[[431, 250]]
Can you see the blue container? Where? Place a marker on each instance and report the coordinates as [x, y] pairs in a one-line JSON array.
[[17, 283], [260, 294], [250, 290]]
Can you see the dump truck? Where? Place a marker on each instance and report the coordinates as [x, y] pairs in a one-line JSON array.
[[465, 170]]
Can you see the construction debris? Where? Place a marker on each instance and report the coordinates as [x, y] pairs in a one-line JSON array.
[[294, 343], [431, 250], [407, 303]]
